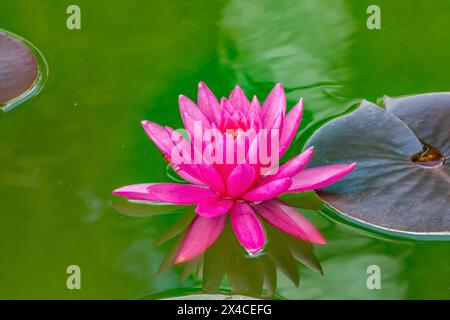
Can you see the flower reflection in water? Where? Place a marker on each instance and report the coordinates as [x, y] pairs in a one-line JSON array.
[[226, 267]]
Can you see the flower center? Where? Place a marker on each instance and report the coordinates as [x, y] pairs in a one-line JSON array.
[[428, 157]]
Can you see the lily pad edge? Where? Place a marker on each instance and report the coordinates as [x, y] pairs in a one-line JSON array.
[[41, 79], [349, 221]]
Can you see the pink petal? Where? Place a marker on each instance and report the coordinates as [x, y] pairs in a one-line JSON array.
[[183, 165], [289, 220], [192, 116], [296, 164], [207, 102], [179, 193], [239, 117], [274, 106], [255, 114], [189, 172], [213, 207], [277, 124], [319, 177], [212, 177], [230, 123], [225, 120], [137, 192], [252, 156], [293, 166], [200, 235], [226, 106], [188, 176], [290, 126], [269, 190], [240, 180], [163, 138], [159, 135], [248, 229], [239, 100]]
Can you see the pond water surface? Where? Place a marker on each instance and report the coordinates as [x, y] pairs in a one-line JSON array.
[[63, 151]]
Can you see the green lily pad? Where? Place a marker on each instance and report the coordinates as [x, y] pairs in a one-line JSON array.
[[19, 69], [402, 179]]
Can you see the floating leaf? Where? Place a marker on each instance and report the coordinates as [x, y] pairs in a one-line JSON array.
[[280, 254], [402, 181], [178, 227], [270, 275], [189, 268], [170, 256], [19, 69], [303, 252], [214, 266], [427, 115], [236, 274], [249, 275]]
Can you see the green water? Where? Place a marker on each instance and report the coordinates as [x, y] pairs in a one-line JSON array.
[[63, 151]]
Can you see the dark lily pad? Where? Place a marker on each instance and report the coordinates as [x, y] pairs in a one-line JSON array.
[[428, 116], [402, 180], [19, 69]]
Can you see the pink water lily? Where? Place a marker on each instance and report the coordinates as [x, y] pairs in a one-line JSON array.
[[240, 183]]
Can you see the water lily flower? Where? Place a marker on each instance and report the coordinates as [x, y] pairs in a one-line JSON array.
[[243, 182]]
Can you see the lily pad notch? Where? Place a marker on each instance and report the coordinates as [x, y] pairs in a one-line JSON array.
[[23, 70], [402, 181]]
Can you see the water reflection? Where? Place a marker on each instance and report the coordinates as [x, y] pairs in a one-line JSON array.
[[226, 267], [303, 44], [51, 150]]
